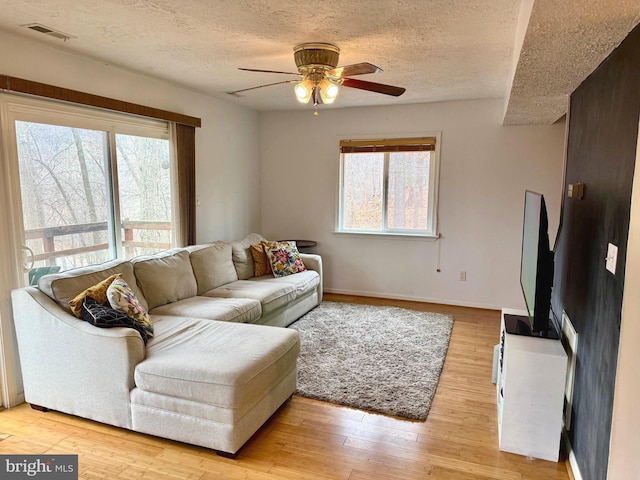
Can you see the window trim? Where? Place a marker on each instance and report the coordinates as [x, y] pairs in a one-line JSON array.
[[29, 87], [56, 113], [21, 108], [434, 172]]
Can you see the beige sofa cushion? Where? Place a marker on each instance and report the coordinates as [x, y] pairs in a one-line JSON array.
[[249, 361], [166, 277], [242, 258], [64, 286], [303, 282], [243, 310], [213, 266], [271, 295]]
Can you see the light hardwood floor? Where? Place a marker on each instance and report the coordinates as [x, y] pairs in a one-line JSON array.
[[308, 439]]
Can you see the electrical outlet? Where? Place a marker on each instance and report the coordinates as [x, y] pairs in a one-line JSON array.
[[463, 276]]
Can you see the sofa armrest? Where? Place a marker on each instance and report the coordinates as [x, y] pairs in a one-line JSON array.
[[71, 366], [314, 262]]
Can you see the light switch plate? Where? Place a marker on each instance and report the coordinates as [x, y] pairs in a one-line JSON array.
[[612, 258]]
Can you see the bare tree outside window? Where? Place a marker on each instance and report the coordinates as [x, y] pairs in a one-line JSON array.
[[62, 177], [66, 190], [363, 176], [388, 188], [408, 190], [145, 199]]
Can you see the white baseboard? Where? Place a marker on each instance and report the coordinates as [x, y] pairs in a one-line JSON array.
[[573, 462], [441, 301], [16, 400]]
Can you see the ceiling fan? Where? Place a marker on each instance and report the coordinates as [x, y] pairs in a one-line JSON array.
[[321, 77]]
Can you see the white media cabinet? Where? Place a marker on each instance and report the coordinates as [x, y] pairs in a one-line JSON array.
[[530, 391]]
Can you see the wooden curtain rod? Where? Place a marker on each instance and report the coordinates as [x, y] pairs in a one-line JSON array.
[[389, 142], [20, 85], [426, 144]]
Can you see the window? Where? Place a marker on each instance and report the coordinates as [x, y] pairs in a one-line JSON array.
[[389, 186], [93, 186]]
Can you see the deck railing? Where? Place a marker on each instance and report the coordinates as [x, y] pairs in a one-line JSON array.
[[47, 235]]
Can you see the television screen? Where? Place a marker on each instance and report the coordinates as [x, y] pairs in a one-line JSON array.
[[536, 267]]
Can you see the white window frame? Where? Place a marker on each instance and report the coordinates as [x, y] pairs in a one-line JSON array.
[[434, 187], [21, 108]]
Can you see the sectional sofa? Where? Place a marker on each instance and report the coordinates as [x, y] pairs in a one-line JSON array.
[[216, 368]]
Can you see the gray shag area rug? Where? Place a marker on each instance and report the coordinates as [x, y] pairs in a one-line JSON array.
[[381, 359]]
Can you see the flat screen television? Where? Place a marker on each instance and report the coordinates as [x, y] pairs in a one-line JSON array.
[[536, 265]]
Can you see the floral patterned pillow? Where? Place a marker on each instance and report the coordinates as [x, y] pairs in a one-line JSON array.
[[123, 299], [284, 258]]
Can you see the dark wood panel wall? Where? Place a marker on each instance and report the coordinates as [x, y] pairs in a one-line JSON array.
[[601, 153]]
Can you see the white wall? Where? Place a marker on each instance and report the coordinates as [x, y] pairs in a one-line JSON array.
[[226, 145], [485, 168], [624, 463]]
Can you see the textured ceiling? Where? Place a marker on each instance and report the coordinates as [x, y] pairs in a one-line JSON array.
[[565, 41], [439, 50]]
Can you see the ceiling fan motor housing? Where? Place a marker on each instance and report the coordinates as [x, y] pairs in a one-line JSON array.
[[316, 56]]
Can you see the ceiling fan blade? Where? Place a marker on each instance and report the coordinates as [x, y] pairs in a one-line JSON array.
[[373, 87], [268, 71], [236, 92], [355, 69]]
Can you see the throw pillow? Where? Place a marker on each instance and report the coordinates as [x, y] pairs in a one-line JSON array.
[[123, 299], [261, 264], [284, 258], [104, 316], [97, 292]]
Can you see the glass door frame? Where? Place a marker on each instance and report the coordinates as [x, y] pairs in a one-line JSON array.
[[20, 107], [10, 275]]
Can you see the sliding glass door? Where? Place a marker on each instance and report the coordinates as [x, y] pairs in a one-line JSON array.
[[90, 194], [145, 194], [77, 186], [64, 185]]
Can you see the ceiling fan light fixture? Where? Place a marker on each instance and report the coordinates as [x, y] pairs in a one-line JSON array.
[[303, 90], [328, 91], [320, 77]]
